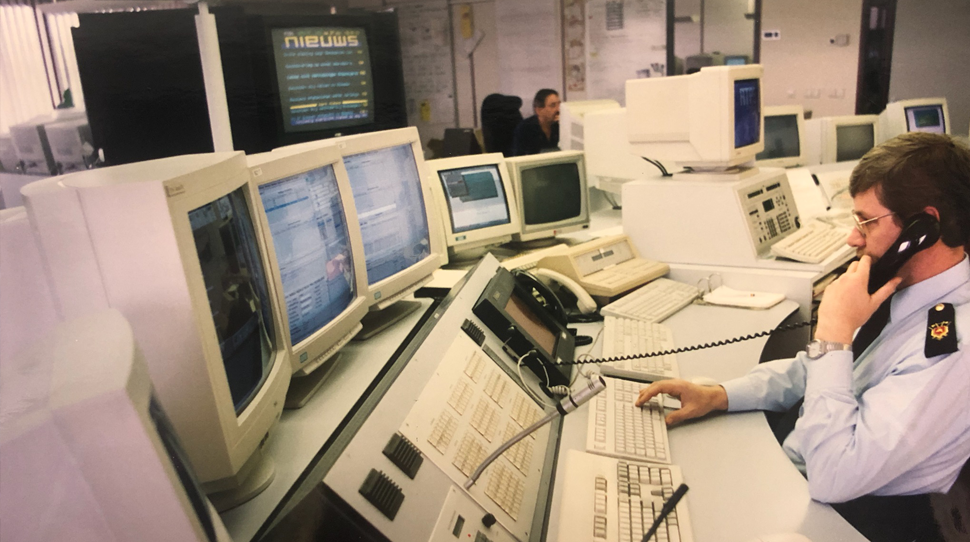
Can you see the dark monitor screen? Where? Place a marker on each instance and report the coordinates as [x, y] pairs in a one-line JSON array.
[[390, 208], [551, 193], [925, 118], [232, 270], [732, 60], [851, 142], [781, 137], [324, 77], [747, 112], [312, 248], [476, 197]]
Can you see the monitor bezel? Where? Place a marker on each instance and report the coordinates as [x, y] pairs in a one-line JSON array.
[[830, 125], [892, 121], [481, 236], [780, 111], [521, 163], [401, 281], [271, 167]]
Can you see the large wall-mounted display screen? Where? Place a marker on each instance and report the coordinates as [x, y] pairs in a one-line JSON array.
[[324, 77]]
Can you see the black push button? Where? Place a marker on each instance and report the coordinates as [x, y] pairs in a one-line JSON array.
[[403, 454], [384, 494]]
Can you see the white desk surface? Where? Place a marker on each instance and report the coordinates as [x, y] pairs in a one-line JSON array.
[[742, 484], [301, 433]]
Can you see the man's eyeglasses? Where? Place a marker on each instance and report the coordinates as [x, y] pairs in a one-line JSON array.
[[861, 224]]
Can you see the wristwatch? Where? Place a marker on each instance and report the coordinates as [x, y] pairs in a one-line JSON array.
[[817, 348]]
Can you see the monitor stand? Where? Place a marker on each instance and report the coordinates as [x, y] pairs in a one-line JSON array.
[[542, 242], [302, 388], [255, 476], [376, 321]]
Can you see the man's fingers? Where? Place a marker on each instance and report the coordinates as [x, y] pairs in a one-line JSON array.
[[676, 417], [882, 294], [662, 386], [852, 266]]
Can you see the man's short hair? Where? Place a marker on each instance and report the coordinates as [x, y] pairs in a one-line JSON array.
[[918, 170], [540, 99]]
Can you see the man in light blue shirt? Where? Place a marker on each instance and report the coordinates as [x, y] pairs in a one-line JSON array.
[[891, 419]]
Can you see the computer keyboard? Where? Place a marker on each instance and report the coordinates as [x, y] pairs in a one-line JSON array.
[[636, 269], [529, 260], [612, 500], [811, 243], [620, 429], [624, 337], [653, 302]]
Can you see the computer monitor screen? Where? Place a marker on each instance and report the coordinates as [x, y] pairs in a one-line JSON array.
[[312, 243], [853, 141], [747, 112], [925, 118], [476, 197], [324, 77], [781, 137], [236, 284], [735, 60], [551, 193], [391, 209]]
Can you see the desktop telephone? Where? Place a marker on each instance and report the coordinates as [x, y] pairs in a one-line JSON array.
[[605, 267]]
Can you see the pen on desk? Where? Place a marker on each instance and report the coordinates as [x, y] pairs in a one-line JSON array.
[[665, 511]]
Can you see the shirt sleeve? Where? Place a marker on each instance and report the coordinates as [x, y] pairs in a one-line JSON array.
[[775, 385], [853, 447]]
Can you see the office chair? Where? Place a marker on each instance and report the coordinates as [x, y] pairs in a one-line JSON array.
[[500, 115]]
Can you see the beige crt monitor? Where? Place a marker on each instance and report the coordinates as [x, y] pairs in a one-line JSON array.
[[610, 160], [784, 137], [402, 243], [174, 246], [706, 120], [572, 134], [476, 202], [551, 192], [917, 115], [315, 257], [605, 267], [847, 138], [87, 453]]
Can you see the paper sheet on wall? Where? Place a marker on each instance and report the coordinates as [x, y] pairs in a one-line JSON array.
[[529, 48], [625, 39], [574, 40], [429, 77]]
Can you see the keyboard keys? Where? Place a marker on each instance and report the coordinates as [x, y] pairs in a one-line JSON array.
[[653, 302], [625, 336], [618, 428], [812, 243]]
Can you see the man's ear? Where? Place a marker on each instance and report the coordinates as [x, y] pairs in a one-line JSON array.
[[932, 211]]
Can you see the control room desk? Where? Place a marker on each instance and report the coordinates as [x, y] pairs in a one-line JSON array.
[[742, 484]]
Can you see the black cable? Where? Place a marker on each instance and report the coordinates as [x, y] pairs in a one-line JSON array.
[[659, 166], [786, 327]]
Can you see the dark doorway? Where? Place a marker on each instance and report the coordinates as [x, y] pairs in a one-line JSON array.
[[875, 56]]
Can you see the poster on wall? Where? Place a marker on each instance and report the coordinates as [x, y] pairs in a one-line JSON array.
[[574, 40], [625, 39], [429, 77]]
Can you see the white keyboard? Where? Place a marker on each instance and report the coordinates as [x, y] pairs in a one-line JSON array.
[[653, 302], [620, 429], [613, 500], [624, 337], [529, 260], [811, 243], [635, 269]]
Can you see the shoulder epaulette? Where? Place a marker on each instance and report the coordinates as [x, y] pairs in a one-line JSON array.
[[941, 331]]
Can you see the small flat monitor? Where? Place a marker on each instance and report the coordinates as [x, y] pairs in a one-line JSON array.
[[709, 120], [476, 201], [919, 115], [88, 452], [551, 191], [316, 257], [571, 121], [174, 245], [784, 137], [402, 244], [844, 139], [33, 149]]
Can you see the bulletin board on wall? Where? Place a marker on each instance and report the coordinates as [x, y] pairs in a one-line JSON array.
[[429, 77], [624, 39]]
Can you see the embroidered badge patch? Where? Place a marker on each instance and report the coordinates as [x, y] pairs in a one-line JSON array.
[[941, 337]]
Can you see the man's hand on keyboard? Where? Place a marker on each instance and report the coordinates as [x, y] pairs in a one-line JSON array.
[[695, 400]]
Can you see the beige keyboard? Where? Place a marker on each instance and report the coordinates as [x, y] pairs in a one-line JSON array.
[[653, 302], [620, 429], [624, 337], [811, 243]]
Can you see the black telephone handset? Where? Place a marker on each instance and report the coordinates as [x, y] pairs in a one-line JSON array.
[[920, 232]]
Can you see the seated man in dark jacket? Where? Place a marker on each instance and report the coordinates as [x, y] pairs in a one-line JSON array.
[[540, 132]]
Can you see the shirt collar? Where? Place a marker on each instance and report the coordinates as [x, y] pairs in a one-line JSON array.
[[921, 294]]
